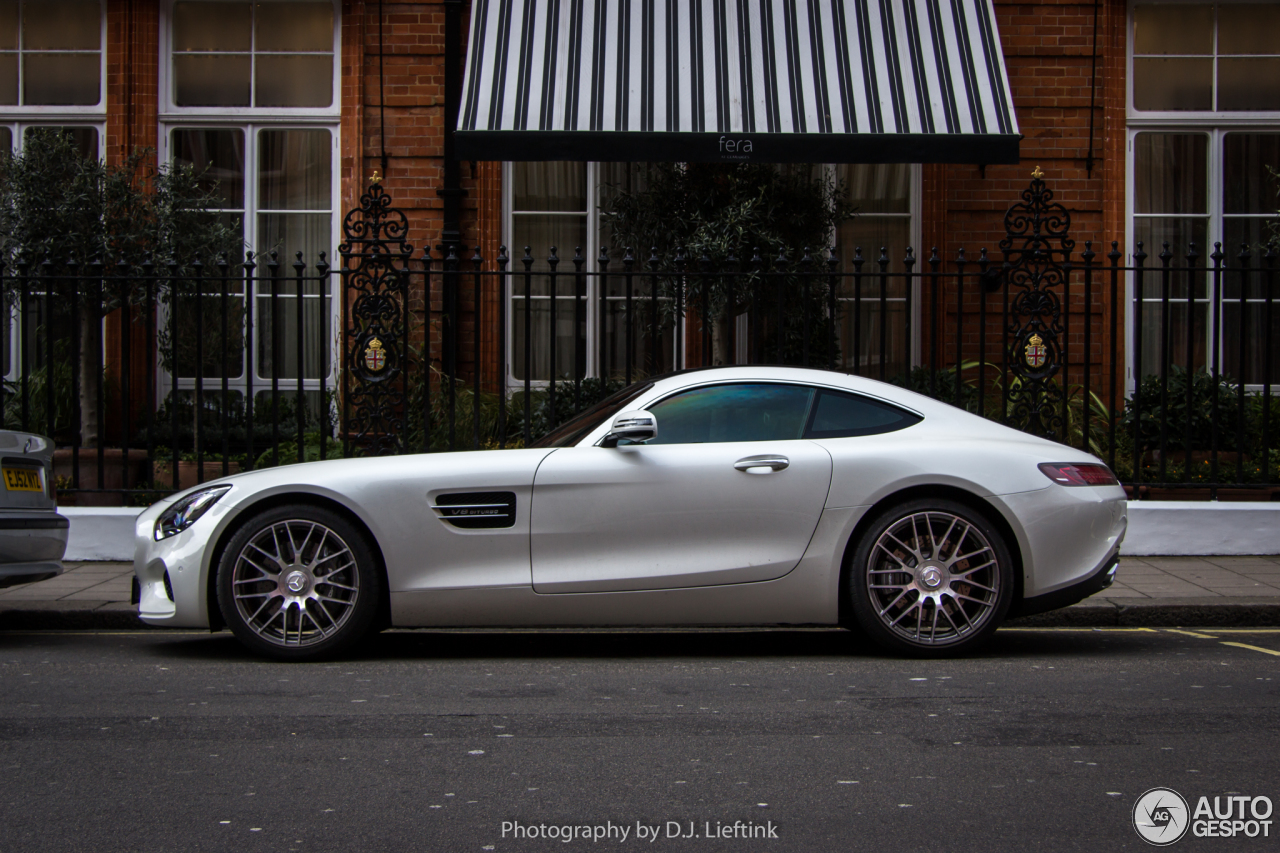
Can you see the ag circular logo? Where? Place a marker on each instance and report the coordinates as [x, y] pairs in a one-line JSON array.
[[1161, 817]]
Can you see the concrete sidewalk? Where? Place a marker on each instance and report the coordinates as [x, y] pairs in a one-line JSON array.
[[1180, 591]]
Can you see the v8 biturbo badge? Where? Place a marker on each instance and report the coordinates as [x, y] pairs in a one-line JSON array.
[[1036, 352], [375, 356]]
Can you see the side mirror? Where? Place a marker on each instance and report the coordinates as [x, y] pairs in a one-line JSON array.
[[636, 425]]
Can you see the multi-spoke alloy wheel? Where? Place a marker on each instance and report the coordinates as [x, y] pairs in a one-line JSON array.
[[297, 583], [931, 577]]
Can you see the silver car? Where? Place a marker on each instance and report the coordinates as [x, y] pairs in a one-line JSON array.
[[726, 496], [33, 536]]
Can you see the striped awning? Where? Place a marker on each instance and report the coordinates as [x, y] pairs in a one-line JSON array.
[[780, 81]]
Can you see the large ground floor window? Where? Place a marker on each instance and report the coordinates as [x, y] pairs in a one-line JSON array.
[[1200, 186], [276, 184], [560, 205]]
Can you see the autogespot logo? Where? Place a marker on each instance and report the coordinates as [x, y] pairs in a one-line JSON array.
[[1160, 816]]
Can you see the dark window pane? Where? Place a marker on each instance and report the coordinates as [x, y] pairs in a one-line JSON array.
[[62, 79], [218, 158], [211, 81], [8, 24], [1168, 28], [1248, 28], [294, 26], [1180, 234], [541, 233], [549, 186], [1249, 84], [1173, 84], [884, 188], [294, 81], [62, 25], [740, 412], [841, 415], [1247, 185], [294, 170], [211, 26], [9, 78], [6, 142], [1171, 173]]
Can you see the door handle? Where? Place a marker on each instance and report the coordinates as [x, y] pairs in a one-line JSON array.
[[768, 460]]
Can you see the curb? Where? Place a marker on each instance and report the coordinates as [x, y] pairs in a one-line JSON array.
[[1143, 613], [56, 616], [1094, 613]]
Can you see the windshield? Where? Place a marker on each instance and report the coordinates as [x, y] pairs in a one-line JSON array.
[[571, 431]]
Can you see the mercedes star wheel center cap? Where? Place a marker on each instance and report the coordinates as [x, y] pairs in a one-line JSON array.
[[296, 582], [931, 578]]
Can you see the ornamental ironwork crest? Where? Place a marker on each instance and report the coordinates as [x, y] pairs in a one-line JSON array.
[[1037, 251], [375, 356], [1035, 351], [375, 324]]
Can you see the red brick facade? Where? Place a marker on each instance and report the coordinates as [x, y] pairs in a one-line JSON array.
[[1047, 49]]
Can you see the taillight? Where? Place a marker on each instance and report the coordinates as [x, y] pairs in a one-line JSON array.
[[1079, 474]]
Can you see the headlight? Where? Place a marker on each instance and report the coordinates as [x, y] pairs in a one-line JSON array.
[[184, 513]]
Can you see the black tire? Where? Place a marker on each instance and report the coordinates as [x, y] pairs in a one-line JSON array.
[[927, 561], [299, 583]]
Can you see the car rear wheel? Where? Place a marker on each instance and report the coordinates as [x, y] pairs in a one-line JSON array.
[[931, 578], [298, 583]]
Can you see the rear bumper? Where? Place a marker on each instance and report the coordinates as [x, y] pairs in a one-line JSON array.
[[31, 546], [1097, 580]]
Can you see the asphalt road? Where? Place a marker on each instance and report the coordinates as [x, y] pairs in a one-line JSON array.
[[432, 741]]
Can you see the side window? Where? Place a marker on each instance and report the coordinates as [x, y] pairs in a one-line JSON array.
[[840, 415], [740, 412]]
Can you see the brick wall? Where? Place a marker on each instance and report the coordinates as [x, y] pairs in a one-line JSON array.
[[1048, 48]]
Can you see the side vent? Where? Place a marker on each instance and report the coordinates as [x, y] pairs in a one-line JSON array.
[[477, 510]]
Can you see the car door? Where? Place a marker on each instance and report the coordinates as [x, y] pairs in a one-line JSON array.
[[728, 492]]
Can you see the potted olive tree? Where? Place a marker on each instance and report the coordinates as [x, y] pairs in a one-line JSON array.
[[76, 238], [721, 216]]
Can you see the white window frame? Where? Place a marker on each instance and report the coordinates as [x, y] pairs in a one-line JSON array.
[[592, 249], [64, 113], [251, 120], [1216, 125], [18, 118], [169, 108]]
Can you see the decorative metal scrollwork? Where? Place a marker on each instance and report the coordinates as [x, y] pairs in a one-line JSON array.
[[375, 277], [1037, 248]]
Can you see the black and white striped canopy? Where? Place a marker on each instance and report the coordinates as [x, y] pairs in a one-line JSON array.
[[781, 81]]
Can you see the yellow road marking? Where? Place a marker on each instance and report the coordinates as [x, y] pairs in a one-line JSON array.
[[1252, 648], [1190, 634], [1247, 630]]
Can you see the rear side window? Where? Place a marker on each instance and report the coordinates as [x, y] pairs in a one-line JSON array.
[[840, 415]]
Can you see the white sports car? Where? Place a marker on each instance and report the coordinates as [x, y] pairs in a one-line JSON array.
[[724, 496]]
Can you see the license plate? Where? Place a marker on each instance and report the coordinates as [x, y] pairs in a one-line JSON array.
[[22, 480]]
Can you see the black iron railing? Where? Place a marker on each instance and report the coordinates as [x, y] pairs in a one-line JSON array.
[[156, 377], [159, 376]]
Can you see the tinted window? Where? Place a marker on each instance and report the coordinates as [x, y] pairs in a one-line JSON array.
[[743, 412], [839, 415]]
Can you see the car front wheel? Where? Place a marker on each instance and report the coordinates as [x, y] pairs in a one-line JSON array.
[[931, 578], [298, 583]]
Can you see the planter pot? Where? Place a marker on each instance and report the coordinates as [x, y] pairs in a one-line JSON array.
[[189, 473], [118, 472]]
